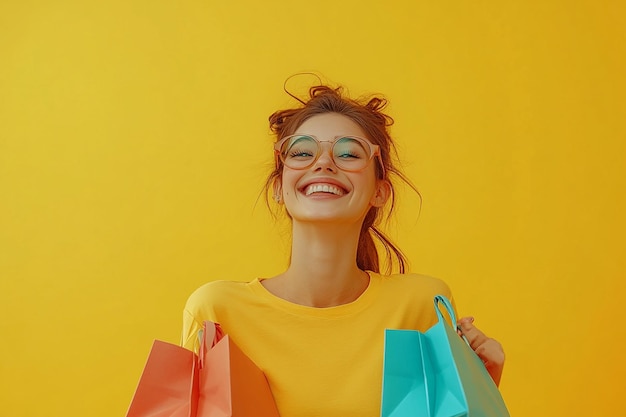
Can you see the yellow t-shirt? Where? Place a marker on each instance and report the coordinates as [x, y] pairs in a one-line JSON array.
[[320, 362]]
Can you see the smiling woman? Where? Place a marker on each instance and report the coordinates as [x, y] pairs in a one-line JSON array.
[[371, 127], [329, 309], [308, 171]]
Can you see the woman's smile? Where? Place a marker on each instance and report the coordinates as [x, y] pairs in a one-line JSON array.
[[323, 186], [323, 189]]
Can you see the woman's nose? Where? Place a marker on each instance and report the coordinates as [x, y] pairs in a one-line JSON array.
[[325, 161]]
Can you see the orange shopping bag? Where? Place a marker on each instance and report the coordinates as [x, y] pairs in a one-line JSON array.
[[221, 381]]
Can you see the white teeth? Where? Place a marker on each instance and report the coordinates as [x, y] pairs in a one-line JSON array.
[[323, 188]]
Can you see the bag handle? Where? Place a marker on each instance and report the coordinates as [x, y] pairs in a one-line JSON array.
[[210, 334], [448, 305]]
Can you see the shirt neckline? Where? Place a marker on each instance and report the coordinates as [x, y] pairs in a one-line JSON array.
[[353, 307]]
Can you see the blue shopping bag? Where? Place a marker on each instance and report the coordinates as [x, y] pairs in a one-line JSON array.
[[436, 374]]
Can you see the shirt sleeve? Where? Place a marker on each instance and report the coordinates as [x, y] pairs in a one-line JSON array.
[[200, 307], [191, 327]]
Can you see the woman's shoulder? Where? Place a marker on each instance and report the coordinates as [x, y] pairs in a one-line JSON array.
[[215, 293], [411, 277], [415, 281]]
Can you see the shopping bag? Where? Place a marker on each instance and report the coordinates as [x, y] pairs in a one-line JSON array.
[[436, 374], [221, 381], [231, 385]]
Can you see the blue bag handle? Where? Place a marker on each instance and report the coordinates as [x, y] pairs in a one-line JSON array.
[[448, 305]]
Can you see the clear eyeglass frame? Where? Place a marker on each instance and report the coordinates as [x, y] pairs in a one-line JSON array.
[[373, 151]]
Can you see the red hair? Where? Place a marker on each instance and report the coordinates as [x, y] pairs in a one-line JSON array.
[[367, 113]]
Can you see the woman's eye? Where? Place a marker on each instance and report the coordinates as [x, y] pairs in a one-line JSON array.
[[300, 154], [349, 152], [349, 149], [348, 155]]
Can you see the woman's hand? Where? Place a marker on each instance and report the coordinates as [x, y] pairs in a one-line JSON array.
[[488, 350]]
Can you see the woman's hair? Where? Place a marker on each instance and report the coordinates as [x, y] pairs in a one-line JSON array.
[[367, 113]]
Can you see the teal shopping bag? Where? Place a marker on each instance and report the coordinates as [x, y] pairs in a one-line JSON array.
[[436, 374]]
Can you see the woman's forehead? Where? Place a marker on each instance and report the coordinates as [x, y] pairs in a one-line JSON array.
[[329, 126]]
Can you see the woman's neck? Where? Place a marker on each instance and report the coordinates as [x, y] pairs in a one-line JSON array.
[[323, 270]]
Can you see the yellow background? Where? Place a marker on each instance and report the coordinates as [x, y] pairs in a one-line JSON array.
[[134, 142]]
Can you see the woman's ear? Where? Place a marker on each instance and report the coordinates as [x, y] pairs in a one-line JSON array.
[[278, 191], [382, 194]]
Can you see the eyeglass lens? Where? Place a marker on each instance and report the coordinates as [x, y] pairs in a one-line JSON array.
[[348, 153]]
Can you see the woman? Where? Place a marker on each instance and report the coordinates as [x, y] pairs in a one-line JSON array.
[[316, 330]]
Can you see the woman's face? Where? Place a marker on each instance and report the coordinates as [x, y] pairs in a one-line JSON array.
[[323, 192]]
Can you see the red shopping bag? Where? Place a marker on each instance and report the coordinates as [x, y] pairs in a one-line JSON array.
[[219, 382], [169, 383]]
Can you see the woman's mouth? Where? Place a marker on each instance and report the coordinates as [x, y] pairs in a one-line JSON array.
[[323, 188]]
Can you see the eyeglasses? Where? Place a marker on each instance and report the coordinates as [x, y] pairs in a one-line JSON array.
[[349, 153]]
